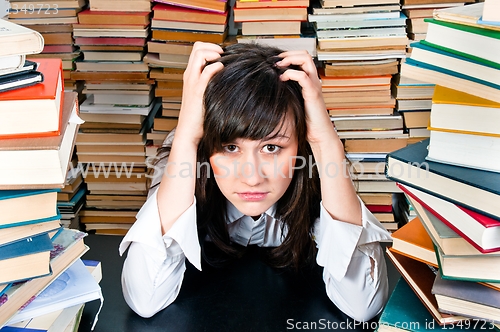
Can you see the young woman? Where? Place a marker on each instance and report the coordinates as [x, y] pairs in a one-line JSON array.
[[255, 160]]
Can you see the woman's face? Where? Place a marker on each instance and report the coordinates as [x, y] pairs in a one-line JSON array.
[[253, 175]]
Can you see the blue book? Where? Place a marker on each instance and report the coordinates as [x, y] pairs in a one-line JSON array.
[[24, 207], [404, 312], [25, 259], [474, 189]]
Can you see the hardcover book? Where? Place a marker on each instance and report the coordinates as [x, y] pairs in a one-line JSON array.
[[479, 230], [473, 189], [412, 240], [38, 107], [26, 258], [466, 298], [420, 277], [13, 205], [45, 159], [21, 39]]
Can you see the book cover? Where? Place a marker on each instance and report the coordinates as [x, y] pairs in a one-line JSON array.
[[26, 258], [466, 298], [479, 230], [38, 107], [74, 286], [68, 247], [21, 39], [420, 277], [474, 189], [405, 312]]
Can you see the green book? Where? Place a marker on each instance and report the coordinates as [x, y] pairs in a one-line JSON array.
[[467, 28], [464, 40], [404, 312]]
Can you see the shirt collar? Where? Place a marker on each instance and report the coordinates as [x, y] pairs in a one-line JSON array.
[[234, 214]]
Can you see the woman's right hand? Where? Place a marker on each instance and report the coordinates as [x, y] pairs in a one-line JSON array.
[[196, 77]]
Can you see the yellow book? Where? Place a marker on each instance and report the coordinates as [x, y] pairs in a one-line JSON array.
[[458, 112]]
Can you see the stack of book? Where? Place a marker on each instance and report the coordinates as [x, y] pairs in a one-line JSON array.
[[115, 175], [118, 109], [418, 10], [453, 182], [15, 71], [281, 24], [413, 97], [458, 52], [176, 25], [413, 102], [360, 44], [35, 251], [54, 21]]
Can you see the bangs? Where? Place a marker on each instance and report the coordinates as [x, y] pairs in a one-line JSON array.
[[247, 99]]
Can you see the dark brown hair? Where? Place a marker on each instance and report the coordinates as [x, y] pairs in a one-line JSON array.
[[247, 99]]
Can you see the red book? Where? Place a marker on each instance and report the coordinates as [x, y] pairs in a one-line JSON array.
[[379, 208], [35, 110], [479, 230]]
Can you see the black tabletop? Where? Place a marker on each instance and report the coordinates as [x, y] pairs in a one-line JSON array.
[[246, 295]]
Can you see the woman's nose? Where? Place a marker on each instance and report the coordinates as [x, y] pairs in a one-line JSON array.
[[251, 170]]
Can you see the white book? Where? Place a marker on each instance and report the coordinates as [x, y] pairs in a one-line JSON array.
[[21, 40], [74, 286], [88, 106]]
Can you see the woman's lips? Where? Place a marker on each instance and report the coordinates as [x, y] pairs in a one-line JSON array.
[[253, 196]]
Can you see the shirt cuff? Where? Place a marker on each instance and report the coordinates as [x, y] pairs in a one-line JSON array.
[[147, 230], [338, 240]]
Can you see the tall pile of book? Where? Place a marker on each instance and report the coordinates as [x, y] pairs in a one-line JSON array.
[[453, 181], [282, 24], [117, 110], [38, 130], [413, 97], [176, 25], [360, 44], [54, 21]]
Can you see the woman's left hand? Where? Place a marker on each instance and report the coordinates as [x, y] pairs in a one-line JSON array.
[[319, 125]]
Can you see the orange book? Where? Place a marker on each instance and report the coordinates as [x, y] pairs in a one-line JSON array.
[[189, 36], [412, 240], [34, 110]]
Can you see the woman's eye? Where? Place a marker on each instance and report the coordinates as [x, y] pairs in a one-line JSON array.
[[271, 148], [230, 148]]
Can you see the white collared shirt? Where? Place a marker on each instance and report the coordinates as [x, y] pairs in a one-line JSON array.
[[154, 268]]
